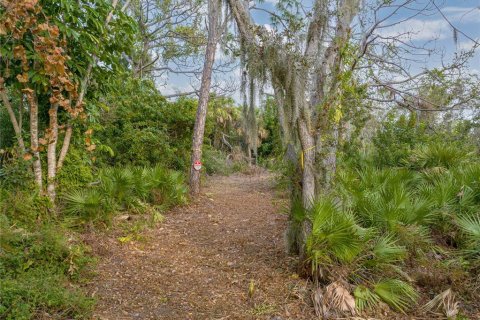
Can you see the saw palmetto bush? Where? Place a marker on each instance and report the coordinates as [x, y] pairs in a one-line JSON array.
[[380, 222], [341, 250], [126, 189], [167, 187], [439, 155]]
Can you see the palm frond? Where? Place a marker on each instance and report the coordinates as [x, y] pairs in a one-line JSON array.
[[470, 227], [335, 230], [397, 294], [365, 298], [446, 301], [87, 203], [386, 250]]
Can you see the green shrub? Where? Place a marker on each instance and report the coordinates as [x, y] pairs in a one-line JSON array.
[[35, 269], [438, 155], [215, 162], [339, 247], [77, 170], [129, 188]]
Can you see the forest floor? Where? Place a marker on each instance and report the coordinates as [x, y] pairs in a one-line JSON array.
[[204, 260]]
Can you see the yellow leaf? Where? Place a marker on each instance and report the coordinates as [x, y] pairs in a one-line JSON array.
[[251, 288], [125, 239], [338, 115]]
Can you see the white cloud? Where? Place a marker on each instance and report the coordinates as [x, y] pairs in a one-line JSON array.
[[416, 30], [462, 14], [272, 2], [170, 88], [268, 27], [465, 45]]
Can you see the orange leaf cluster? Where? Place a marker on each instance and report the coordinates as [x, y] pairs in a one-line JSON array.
[[21, 18], [88, 140]]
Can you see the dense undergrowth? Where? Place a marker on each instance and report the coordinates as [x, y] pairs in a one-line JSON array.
[[138, 167], [43, 262], [401, 226]]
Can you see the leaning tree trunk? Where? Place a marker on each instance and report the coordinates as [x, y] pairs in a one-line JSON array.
[[65, 146], [16, 125], [199, 128]]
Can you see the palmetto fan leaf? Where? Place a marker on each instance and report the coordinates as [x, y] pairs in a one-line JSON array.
[[335, 231], [84, 202], [386, 250], [470, 227], [439, 155], [365, 298], [118, 185], [397, 294]]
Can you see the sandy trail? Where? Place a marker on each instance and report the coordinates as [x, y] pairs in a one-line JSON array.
[[200, 263]]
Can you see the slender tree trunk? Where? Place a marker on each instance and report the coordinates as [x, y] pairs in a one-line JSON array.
[[16, 126], [52, 153], [65, 146], [37, 164], [252, 132], [199, 128]]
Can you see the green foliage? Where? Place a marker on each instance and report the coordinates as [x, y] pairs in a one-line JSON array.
[[396, 293], [412, 195], [365, 298], [335, 235], [87, 203], [16, 173], [35, 267], [214, 162], [439, 155], [77, 170], [341, 247], [470, 227], [396, 138], [129, 188], [271, 145]]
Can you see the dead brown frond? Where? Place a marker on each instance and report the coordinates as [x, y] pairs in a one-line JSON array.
[[335, 300], [445, 301]]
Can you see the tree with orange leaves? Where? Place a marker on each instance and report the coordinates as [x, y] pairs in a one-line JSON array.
[[47, 56]]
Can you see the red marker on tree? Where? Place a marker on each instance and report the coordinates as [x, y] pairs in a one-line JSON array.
[[197, 165]]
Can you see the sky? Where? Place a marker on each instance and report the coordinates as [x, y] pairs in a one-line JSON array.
[[430, 28]]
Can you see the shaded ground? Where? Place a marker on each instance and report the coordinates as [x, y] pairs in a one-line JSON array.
[[201, 262]]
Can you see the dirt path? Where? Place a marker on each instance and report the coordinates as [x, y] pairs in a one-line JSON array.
[[200, 263]]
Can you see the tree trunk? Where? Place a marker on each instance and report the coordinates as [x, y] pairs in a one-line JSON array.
[[52, 152], [37, 164], [65, 147], [199, 128], [16, 126]]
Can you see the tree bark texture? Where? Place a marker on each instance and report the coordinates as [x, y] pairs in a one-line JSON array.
[[199, 128], [34, 145], [16, 126], [52, 152]]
